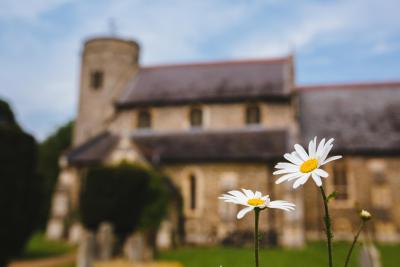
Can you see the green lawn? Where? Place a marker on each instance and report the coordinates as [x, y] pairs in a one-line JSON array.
[[313, 255], [67, 265], [40, 247]]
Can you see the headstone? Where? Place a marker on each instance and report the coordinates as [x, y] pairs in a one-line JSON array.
[[369, 256], [60, 205], [86, 251], [137, 249], [75, 233], [164, 235], [55, 229], [105, 241]]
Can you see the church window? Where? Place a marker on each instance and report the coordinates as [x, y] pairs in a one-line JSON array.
[[144, 119], [192, 192], [96, 79], [340, 181], [253, 115], [196, 117]]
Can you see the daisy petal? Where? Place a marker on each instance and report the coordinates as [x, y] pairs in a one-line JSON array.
[[331, 159], [320, 148], [233, 200], [312, 147], [299, 174], [283, 171], [302, 180], [257, 194], [248, 193], [280, 204], [301, 152], [266, 198], [321, 173], [287, 177], [238, 194], [293, 159], [243, 212], [316, 179], [330, 141], [325, 153], [286, 165]]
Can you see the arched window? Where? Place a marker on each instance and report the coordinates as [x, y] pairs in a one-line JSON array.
[[192, 192], [340, 180], [196, 117], [144, 119], [96, 79], [253, 115]]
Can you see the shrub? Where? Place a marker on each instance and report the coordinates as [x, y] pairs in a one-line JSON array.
[[129, 196], [20, 186], [48, 166]]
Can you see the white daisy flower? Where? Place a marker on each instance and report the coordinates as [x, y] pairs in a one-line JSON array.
[[254, 200], [303, 165]]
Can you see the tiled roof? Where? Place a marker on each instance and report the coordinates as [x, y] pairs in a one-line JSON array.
[[93, 151], [363, 118], [206, 146], [210, 82]]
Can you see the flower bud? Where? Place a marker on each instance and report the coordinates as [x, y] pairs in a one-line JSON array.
[[365, 215]]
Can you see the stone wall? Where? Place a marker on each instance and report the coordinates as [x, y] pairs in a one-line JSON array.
[[212, 220], [373, 183], [215, 117]]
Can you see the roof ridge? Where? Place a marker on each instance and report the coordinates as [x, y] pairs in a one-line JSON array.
[[349, 85], [219, 62]]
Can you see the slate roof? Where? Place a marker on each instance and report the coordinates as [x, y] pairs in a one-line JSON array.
[[210, 82], [206, 146], [363, 118], [94, 151]]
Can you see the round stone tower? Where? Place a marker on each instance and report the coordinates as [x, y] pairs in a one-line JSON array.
[[107, 66]]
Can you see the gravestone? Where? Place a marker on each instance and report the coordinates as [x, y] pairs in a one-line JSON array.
[[105, 241], [86, 250], [369, 256], [75, 233], [136, 248]]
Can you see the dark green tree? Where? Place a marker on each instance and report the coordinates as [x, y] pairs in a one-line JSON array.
[[129, 196], [50, 151], [20, 186]]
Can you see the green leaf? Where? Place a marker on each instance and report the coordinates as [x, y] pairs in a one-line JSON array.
[[332, 196]]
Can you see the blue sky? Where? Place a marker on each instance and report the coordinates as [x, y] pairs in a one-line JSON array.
[[334, 41]]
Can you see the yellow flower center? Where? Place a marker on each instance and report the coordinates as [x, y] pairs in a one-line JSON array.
[[255, 201], [309, 165]]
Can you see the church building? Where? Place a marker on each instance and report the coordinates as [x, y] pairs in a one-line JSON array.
[[217, 126]]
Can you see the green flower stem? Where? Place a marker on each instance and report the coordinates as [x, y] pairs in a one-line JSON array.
[[256, 238], [354, 242], [328, 227]]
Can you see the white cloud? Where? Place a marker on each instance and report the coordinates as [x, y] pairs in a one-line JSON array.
[[27, 10], [313, 24]]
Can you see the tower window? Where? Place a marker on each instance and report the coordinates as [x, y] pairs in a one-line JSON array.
[[96, 79], [144, 119], [253, 115], [340, 181], [192, 185], [196, 117]]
